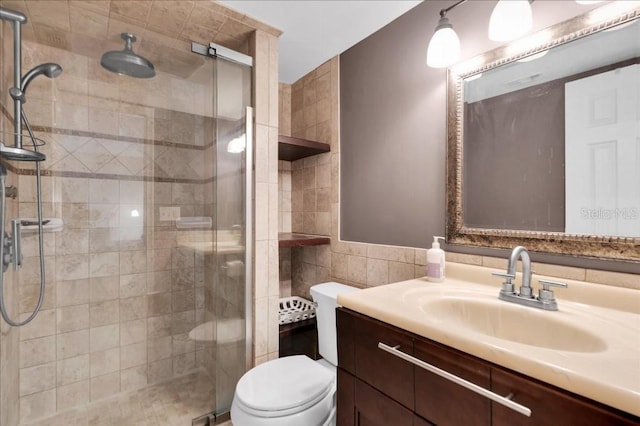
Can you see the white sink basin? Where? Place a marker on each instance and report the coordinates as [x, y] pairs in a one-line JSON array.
[[515, 323]]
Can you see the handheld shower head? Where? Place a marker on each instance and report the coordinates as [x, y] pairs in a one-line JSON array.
[[49, 69]]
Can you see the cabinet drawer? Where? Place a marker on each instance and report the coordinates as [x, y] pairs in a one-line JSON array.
[[376, 409], [549, 405], [385, 372], [446, 403]]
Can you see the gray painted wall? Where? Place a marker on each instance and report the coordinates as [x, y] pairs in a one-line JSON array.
[[393, 126]]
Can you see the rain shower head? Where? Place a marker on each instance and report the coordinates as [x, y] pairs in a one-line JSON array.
[[49, 69], [127, 62]]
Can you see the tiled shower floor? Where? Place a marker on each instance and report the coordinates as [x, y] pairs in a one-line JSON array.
[[172, 403]]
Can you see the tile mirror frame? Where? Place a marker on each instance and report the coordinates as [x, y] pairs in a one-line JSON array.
[[596, 246]]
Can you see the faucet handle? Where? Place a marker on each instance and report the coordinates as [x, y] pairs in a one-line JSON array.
[[507, 285], [506, 275], [546, 295]]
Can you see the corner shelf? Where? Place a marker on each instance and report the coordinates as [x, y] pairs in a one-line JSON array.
[[287, 239], [291, 149]]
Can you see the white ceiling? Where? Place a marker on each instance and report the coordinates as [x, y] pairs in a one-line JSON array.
[[315, 31]]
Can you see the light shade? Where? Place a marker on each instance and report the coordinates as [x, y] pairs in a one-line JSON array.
[[444, 47], [510, 19]]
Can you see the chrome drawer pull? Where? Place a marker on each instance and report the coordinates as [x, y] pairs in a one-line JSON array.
[[506, 401]]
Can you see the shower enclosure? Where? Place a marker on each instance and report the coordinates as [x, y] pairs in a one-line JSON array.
[[147, 255]]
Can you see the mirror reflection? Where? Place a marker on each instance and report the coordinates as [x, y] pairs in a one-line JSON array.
[[551, 142]]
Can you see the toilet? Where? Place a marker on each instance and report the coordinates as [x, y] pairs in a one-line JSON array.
[[295, 390]]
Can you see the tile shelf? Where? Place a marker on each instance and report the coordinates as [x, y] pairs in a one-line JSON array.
[[287, 239], [291, 149]]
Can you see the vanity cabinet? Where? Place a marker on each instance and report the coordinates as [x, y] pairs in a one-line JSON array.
[[378, 388]]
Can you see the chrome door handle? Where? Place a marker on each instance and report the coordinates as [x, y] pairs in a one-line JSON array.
[[506, 401]]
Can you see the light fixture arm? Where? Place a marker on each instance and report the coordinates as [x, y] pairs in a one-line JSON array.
[[443, 12]]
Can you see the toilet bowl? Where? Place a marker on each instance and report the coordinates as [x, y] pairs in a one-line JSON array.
[[295, 390]]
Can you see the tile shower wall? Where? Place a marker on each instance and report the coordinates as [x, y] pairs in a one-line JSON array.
[[124, 287], [314, 107], [264, 48]]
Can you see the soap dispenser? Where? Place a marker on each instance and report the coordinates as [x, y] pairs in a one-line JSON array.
[[435, 261]]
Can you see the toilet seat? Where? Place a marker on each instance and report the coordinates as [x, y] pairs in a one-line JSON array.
[[283, 387]]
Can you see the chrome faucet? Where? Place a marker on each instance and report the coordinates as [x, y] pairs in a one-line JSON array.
[[516, 253], [524, 296]]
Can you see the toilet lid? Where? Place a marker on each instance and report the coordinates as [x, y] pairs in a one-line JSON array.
[[289, 384]]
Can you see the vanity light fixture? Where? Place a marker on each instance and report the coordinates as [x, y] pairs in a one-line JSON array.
[[444, 47], [509, 20]]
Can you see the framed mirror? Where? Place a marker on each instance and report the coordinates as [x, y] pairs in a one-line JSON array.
[[544, 140]]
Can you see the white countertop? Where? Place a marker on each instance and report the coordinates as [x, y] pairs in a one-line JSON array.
[[609, 372]]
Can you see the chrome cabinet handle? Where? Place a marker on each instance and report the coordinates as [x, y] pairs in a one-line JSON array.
[[506, 401]]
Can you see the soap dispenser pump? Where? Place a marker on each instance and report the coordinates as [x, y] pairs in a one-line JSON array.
[[435, 261]]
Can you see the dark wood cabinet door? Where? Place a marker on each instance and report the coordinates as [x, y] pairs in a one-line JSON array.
[[446, 403], [549, 405], [373, 408], [419, 421], [346, 326], [382, 370], [345, 399]]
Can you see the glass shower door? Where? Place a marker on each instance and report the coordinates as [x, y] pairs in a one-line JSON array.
[[233, 216]]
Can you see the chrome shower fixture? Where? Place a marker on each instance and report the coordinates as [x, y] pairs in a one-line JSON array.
[[17, 92], [126, 61], [10, 245], [49, 69]]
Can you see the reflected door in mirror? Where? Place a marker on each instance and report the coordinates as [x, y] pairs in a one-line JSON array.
[[602, 153]]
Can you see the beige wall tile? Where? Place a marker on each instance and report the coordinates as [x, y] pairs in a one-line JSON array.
[[133, 332], [399, 271], [104, 337], [470, 259], [104, 313], [72, 395], [72, 370], [104, 386], [75, 292], [377, 272], [160, 348], [614, 278], [37, 351], [357, 269], [38, 378], [105, 362], [133, 378], [104, 288], [38, 405], [72, 344], [44, 324], [72, 318]]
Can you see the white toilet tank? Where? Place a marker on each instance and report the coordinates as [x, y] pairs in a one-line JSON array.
[[326, 296]]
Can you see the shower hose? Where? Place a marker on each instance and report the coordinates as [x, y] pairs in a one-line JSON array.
[[3, 177]]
